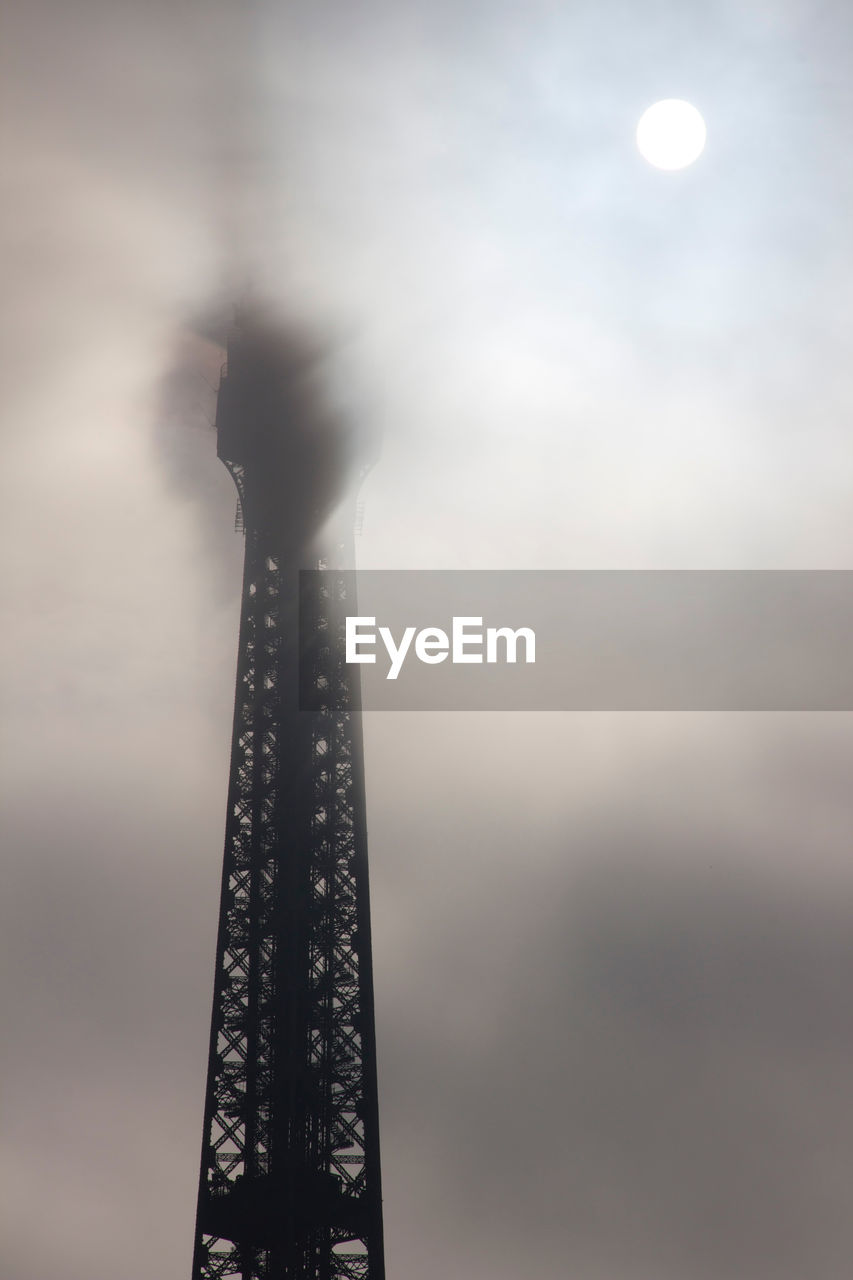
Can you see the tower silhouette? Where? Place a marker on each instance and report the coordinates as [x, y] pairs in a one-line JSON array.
[[290, 1180]]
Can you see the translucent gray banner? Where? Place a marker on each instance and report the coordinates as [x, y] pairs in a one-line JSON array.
[[589, 640]]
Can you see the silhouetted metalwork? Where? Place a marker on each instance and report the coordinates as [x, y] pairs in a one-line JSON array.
[[290, 1180]]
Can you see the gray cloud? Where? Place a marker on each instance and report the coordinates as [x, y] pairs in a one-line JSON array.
[[611, 951], [629, 1050]]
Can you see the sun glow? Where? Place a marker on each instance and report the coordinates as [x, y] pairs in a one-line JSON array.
[[671, 134]]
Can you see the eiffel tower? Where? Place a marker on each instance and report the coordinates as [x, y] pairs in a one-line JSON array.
[[290, 1180]]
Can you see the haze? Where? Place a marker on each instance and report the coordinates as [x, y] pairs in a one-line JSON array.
[[612, 953]]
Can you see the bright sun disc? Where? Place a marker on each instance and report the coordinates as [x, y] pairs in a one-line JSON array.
[[671, 134]]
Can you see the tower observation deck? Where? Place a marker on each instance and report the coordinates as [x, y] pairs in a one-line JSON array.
[[290, 1181]]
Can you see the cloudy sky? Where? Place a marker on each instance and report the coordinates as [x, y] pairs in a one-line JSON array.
[[613, 952]]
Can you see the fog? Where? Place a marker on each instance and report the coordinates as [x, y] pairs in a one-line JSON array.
[[612, 951]]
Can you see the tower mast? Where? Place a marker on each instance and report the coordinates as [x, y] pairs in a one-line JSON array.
[[290, 1180]]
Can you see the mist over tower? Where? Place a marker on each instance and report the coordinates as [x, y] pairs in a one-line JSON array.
[[294, 461]]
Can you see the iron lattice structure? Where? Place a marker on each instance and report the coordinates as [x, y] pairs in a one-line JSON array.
[[290, 1179]]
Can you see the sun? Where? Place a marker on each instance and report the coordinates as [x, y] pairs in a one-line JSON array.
[[671, 134]]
